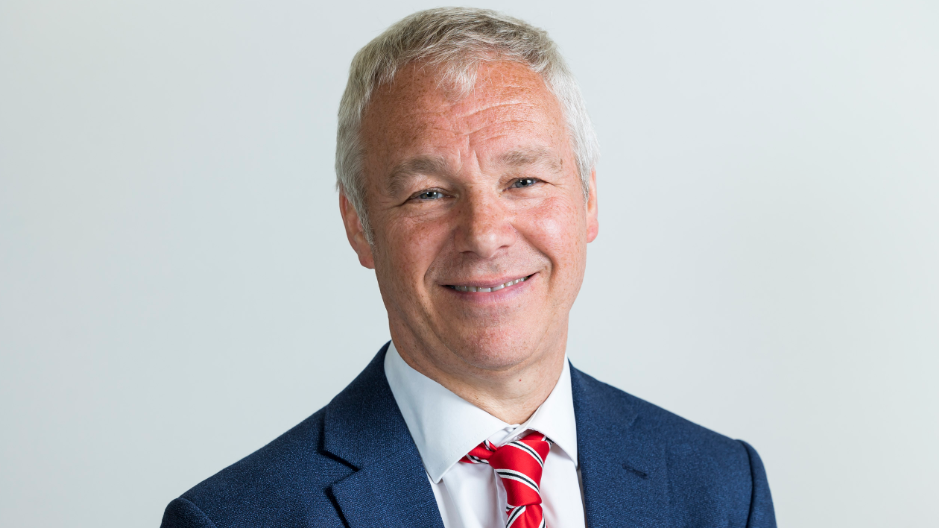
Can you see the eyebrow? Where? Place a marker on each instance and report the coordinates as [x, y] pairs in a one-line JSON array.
[[532, 156], [407, 169], [436, 165]]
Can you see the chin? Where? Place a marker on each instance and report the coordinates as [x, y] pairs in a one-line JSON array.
[[495, 349]]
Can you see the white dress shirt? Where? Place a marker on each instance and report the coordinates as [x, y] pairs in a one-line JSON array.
[[446, 427]]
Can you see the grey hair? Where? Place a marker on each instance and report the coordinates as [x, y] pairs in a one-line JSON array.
[[455, 40]]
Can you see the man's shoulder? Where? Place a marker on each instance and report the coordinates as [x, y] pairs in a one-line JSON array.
[[283, 481], [287, 481], [689, 447], [619, 406], [709, 475]]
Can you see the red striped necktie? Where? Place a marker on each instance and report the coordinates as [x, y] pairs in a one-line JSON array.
[[519, 464]]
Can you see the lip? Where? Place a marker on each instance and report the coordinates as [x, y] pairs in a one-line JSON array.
[[503, 285]]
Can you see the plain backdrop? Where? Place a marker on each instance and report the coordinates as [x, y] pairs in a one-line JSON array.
[[176, 289]]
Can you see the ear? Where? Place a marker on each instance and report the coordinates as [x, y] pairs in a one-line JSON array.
[[593, 225], [355, 232]]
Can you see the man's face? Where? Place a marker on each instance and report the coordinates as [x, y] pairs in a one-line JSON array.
[[479, 219]]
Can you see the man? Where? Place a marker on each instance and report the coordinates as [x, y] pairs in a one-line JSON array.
[[465, 161]]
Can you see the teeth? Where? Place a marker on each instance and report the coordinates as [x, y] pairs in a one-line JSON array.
[[486, 290]]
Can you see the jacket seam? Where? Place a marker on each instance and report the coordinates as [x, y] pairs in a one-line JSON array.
[[201, 513]]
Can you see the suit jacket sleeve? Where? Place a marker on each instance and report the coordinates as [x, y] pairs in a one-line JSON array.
[[761, 502], [182, 513]]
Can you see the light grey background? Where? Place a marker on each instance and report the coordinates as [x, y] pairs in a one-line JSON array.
[[176, 289]]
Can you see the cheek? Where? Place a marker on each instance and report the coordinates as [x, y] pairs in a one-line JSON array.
[[408, 247], [557, 228]]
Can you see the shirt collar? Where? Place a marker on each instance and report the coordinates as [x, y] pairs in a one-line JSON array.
[[445, 427]]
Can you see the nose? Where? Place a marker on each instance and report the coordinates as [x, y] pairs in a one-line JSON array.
[[485, 225]]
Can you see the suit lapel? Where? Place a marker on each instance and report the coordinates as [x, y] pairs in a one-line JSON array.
[[364, 427], [623, 470]]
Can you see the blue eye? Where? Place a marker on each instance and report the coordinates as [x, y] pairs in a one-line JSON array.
[[524, 182], [430, 195]]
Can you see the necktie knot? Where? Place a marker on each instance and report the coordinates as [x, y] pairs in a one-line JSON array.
[[519, 465]]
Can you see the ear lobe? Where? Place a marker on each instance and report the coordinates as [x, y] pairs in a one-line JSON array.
[[355, 232], [593, 224]]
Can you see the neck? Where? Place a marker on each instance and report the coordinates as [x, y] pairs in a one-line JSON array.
[[510, 393]]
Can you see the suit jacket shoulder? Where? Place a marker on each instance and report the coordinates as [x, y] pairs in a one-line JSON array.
[[353, 463], [282, 481], [672, 472]]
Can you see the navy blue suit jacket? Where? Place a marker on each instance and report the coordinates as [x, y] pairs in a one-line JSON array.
[[353, 464]]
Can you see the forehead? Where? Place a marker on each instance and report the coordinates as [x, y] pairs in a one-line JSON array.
[[509, 107]]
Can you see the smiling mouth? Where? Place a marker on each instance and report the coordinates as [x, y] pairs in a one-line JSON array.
[[487, 289]]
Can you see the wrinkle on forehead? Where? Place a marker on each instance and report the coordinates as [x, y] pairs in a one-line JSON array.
[[470, 119], [479, 118], [417, 87]]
